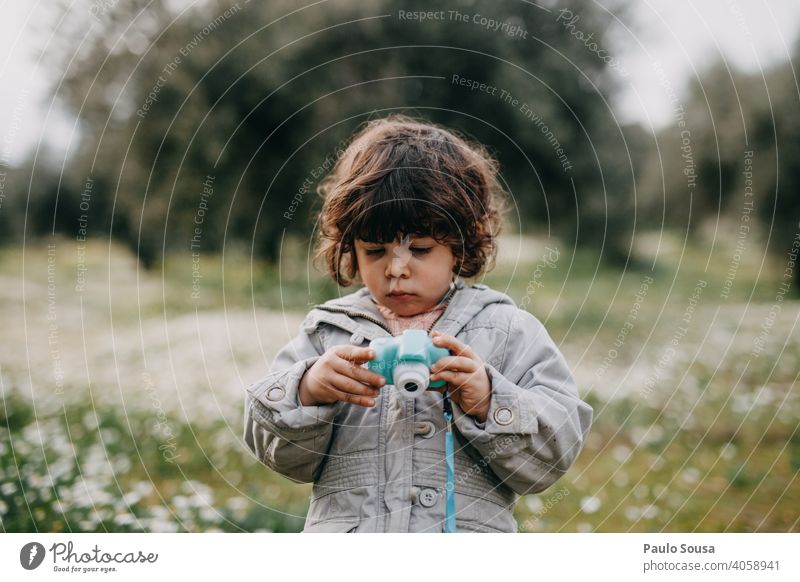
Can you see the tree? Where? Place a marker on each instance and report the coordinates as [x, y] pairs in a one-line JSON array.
[[254, 98], [744, 144]]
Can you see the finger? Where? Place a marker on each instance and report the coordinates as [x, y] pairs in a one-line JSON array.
[[455, 346], [348, 368], [454, 378], [454, 364], [344, 383], [354, 354], [364, 401]]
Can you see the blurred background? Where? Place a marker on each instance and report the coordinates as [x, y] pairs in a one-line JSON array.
[[157, 208]]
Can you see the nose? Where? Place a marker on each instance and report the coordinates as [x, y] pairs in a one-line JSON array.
[[398, 266]]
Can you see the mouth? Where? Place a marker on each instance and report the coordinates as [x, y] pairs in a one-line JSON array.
[[400, 295]]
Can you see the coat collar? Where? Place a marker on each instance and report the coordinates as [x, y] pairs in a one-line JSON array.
[[357, 314]]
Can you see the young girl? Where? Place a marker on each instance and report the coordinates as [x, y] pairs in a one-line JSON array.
[[410, 211]]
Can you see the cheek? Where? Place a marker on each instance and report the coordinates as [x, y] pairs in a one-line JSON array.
[[448, 261], [442, 267], [370, 268]]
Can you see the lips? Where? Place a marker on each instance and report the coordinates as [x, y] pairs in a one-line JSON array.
[[399, 294]]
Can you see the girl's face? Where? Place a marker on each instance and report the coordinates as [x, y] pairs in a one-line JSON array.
[[408, 276]]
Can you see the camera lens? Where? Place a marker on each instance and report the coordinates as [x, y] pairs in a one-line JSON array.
[[411, 378]]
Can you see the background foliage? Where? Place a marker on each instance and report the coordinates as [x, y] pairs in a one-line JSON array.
[[121, 404]]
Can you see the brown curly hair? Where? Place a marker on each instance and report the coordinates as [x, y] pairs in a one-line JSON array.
[[402, 176]]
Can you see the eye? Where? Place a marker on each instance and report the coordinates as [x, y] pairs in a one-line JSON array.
[[421, 250], [374, 252]]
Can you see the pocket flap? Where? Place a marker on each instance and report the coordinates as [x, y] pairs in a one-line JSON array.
[[337, 525]]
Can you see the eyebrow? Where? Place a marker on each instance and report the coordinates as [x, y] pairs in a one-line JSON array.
[[426, 239]]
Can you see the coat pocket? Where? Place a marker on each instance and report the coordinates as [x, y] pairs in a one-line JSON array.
[[476, 514], [334, 525]]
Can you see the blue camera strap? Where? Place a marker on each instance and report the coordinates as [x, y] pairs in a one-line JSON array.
[[450, 489]]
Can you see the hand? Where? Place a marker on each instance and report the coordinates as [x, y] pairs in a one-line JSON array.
[[338, 375], [465, 374]]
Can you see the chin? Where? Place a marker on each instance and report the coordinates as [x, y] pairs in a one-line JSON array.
[[405, 309]]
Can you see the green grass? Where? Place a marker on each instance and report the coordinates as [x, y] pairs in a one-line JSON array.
[[90, 470], [713, 447]]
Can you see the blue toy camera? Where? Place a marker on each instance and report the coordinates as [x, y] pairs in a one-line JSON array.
[[406, 361]]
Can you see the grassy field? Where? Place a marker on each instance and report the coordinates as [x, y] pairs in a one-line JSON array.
[[122, 392]]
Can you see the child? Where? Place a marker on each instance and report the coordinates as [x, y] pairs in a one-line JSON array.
[[410, 210]]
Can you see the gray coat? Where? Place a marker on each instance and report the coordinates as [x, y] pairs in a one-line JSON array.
[[382, 468]]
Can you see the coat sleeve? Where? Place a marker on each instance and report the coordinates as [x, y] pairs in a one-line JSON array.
[[536, 423], [286, 436]]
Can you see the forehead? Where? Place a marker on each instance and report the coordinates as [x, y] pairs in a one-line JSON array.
[[399, 240]]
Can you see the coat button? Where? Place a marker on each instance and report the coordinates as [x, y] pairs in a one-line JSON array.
[[503, 416], [357, 338], [427, 497], [424, 429], [276, 393]]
